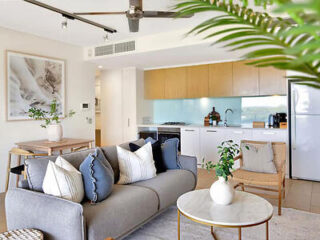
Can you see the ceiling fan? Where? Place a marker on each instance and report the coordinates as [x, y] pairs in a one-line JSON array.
[[135, 13]]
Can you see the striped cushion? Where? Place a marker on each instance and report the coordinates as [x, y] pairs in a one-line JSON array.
[[136, 166]]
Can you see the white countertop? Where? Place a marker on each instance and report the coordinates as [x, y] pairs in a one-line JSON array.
[[244, 126]]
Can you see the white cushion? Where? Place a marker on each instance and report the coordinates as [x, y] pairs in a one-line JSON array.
[[258, 159], [63, 180], [136, 166]]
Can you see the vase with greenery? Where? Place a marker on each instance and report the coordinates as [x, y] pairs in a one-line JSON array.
[[222, 191], [51, 120], [288, 43]]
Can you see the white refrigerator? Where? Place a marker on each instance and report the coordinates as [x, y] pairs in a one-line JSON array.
[[305, 132]]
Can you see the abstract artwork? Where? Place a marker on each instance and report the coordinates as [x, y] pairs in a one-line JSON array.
[[33, 81]]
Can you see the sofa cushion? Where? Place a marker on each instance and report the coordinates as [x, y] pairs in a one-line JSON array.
[[126, 208], [169, 185], [36, 167], [170, 153], [97, 177], [111, 154]]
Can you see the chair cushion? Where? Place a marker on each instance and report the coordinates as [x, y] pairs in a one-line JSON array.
[[249, 177], [126, 208], [111, 154], [258, 159], [136, 166], [169, 185], [97, 176], [156, 152], [63, 180]]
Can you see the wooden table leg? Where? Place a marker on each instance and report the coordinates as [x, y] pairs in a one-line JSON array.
[[267, 230], [239, 233], [18, 164], [178, 224], [8, 172]]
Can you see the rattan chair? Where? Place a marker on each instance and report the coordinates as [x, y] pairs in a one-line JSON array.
[[271, 182]]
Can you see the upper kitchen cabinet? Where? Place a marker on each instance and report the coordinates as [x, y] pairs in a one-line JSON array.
[[245, 79], [154, 84], [272, 81], [197, 81], [175, 83], [220, 79]]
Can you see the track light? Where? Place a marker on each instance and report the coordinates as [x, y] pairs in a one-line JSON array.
[[64, 24], [106, 38]]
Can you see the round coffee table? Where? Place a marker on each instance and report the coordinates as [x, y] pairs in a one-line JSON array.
[[246, 210]]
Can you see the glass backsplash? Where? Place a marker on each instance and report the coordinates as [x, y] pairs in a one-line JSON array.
[[245, 109]]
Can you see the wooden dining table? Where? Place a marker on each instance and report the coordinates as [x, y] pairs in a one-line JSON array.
[[51, 147]]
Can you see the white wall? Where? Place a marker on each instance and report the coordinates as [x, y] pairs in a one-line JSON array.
[[80, 87]]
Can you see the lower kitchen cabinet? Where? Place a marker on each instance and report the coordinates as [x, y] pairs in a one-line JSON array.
[[210, 139], [190, 142], [202, 142]]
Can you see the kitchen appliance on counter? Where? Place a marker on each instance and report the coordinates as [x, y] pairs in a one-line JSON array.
[[274, 120], [167, 133], [304, 131]]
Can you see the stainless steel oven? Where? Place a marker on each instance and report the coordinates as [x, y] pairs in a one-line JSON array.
[[165, 133]]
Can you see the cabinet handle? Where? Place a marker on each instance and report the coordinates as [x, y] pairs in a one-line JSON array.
[[211, 131], [128, 122], [189, 130], [269, 133]]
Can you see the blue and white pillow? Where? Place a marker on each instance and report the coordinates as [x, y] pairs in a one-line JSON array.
[[98, 176]]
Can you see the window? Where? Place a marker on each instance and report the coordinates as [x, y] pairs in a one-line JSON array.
[[259, 108]]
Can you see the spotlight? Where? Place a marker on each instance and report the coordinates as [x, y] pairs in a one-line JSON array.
[[64, 24], [100, 66]]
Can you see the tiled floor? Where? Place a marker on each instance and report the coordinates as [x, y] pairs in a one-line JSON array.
[[302, 195]]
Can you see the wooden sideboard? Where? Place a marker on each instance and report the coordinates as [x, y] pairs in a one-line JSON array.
[[227, 79]]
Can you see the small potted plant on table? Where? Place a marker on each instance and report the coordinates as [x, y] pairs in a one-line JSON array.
[[222, 191], [51, 120]]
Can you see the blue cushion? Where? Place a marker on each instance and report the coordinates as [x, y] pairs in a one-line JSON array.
[[97, 176], [150, 139], [170, 153]]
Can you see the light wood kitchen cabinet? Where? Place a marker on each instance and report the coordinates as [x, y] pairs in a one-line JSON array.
[[220, 79], [190, 142], [272, 81], [245, 79], [154, 84], [175, 83], [197, 81]]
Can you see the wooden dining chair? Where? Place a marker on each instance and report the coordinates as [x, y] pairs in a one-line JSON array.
[[265, 181], [19, 153]]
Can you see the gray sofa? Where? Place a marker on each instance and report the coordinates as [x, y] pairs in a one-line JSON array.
[[125, 210]]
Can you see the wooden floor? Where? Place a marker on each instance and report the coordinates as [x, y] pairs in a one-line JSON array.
[[301, 195]]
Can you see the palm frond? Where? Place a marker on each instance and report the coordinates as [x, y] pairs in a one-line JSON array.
[[281, 44]]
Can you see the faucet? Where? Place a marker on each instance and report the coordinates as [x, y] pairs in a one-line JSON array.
[[225, 124]]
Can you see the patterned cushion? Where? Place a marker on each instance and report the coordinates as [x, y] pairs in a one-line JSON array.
[[136, 166]]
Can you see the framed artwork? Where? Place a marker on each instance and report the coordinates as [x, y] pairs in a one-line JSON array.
[[33, 81]]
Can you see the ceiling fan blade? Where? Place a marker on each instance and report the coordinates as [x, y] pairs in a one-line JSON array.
[[133, 25], [136, 3], [161, 14], [98, 13]]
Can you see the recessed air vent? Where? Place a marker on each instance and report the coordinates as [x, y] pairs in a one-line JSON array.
[[115, 48]]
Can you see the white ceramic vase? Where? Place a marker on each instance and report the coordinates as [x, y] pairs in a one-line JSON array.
[[54, 132], [222, 192]]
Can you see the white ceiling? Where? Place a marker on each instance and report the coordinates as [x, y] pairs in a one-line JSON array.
[[25, 17]]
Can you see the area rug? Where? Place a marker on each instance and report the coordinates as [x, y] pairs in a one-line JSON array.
[[292, 225]]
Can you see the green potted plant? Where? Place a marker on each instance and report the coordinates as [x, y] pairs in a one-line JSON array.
[[51, 120], [222, 191]]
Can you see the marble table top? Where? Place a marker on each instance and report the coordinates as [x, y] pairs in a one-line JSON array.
[[245, 210]]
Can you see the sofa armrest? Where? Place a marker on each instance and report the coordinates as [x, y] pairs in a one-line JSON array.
[[190, 164], [57, 218]]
